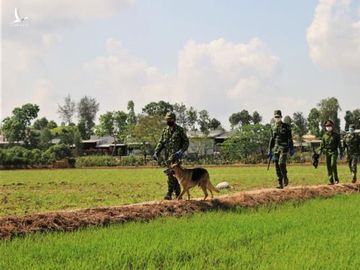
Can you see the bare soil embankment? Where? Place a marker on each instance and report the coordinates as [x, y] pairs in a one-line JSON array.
[[72, 220]]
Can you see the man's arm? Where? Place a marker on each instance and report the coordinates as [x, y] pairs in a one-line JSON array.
[[161, 143], [341, 150], [271, 141], [291, 143], [185, 141], [344, 145]]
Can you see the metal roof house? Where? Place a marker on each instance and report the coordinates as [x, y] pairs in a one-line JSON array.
[[206, 144]]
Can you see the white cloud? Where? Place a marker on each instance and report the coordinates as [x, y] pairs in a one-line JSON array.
[[49, 40], [43, 95], [334, 35], [220, 76], [62, 13], [223, 68], [25, 49]]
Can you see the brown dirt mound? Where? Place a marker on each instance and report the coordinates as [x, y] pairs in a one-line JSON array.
[[71, 220]]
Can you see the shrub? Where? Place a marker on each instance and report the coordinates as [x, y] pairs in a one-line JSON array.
[[35, 157], [47, 158], [108, 161], [16, 156], [132, 161], [58, 152]]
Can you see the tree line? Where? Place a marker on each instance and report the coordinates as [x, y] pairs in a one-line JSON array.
[[127, 126]]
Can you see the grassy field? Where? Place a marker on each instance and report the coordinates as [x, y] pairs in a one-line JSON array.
[[29, 191], [316, 234]]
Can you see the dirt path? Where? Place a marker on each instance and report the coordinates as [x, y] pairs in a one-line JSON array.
[[72, 220]]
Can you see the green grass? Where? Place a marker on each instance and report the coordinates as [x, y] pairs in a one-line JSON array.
[[316, 234], [29, 191]]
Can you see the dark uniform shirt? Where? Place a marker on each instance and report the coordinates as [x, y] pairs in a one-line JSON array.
[[352, 144], [172, 140], [330, 143], [281, 139]]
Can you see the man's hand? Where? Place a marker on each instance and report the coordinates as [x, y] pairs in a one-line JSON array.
[[341, 156], [292, 152], [155, 157], [270, 154], [178, 154]]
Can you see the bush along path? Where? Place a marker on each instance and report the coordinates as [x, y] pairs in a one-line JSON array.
[[13, 226]]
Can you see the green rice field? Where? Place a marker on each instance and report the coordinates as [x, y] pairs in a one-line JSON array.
[[315, 234], [30, 191]]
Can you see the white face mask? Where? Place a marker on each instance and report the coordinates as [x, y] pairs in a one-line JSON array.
[[329, 128]]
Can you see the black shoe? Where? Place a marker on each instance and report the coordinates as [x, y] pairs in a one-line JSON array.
[[280, 186], [353, 181], [331, 183], [167, 197], [286, 181], [337, 181]]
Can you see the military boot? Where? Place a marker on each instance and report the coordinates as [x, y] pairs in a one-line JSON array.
[[281, 184], [354, 178], [286, 181], [170, 189], [177, 190]]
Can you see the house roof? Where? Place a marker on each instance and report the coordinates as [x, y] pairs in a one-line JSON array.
[[199, 134], [107, 145], [91, 141], [309, 137], [55, 141]]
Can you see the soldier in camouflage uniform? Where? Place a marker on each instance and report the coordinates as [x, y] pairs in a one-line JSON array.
[[331, 146], [352, 147], [174, 142], [280, 145]]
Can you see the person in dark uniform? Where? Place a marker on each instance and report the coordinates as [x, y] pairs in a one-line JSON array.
[[352, 147], [331, 146], [280, 145], [174, 142]]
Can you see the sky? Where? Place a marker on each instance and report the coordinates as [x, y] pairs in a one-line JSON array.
[[222, 56]]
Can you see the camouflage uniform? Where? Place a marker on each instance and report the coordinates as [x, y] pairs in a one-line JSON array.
[[280, 144], [352, 146], [331, 145], [172, 140]]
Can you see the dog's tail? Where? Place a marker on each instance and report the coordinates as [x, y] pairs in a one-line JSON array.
[[211, 187]]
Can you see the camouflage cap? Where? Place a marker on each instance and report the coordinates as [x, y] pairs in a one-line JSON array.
[[329, 123], [170, 116], [277, 113], [352, 126]]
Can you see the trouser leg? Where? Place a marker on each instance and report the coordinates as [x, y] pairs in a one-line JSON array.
[[350, 162], [334, 167], [354, 168], [284, 173], [278, 170], [329, 169], [177, 188], [283, 170], [173, 186]]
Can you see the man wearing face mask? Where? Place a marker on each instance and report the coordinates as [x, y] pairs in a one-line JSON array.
[[174, 142], [331, 146], [352, 146], [280, 145]]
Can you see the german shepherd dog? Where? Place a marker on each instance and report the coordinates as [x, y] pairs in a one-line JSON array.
[[189, 178]]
